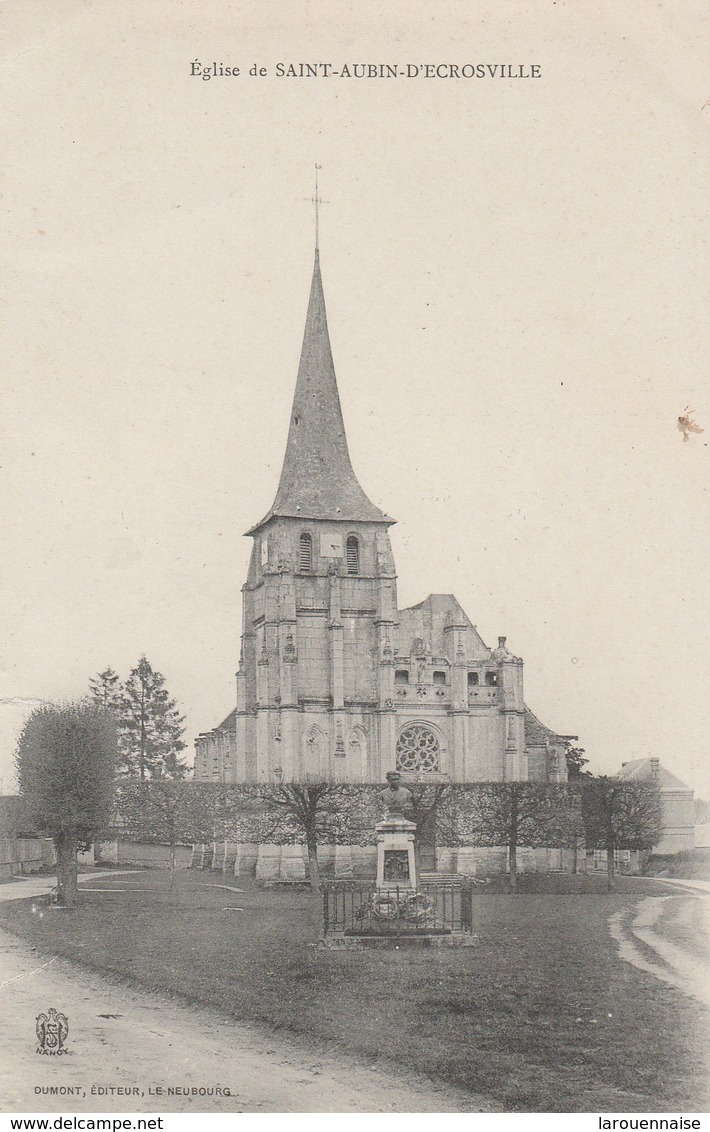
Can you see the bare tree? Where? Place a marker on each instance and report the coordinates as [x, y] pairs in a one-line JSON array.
[[619, 815], [316, 811], [166, 811], [425, 813], [515, 814]]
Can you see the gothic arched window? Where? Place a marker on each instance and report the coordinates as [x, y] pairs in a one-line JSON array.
[[401, 676], [417, 749], [352, 555], [305, 553], [316, 754], [357, 742]]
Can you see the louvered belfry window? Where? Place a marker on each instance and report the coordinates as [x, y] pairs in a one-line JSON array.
[[352, 555], [305, 553]]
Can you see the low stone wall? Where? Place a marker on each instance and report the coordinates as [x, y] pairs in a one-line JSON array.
[[274, 862], [141, 855], [628, 862], [22, 855], [270, 861], [469, 860]]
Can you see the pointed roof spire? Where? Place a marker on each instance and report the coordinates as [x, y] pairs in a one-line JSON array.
[[317, 478]]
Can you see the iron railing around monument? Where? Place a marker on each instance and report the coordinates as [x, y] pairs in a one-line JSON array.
[[353, 909]]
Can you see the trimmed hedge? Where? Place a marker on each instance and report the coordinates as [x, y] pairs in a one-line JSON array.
[[482, 814]]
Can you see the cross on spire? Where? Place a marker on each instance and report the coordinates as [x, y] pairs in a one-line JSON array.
[[317, 200]]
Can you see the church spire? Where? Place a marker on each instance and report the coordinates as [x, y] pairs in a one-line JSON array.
[[317, 478]]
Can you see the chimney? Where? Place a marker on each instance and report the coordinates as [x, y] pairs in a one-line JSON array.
[[501, 642], [655, 770]]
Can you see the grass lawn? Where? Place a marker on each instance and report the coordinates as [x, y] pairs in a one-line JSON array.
[[541, 1015]]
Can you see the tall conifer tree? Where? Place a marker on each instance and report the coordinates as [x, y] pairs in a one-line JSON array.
[[150, 726], [106, 689]]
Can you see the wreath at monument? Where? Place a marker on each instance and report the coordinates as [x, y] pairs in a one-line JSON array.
[[384, 907], [414, 907]]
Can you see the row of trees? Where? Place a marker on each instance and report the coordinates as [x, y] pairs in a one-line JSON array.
[[598, 813]]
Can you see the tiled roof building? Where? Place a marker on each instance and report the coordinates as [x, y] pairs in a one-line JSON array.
[[677, 806]]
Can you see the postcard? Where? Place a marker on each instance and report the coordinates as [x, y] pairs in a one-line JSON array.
[[355, 467]]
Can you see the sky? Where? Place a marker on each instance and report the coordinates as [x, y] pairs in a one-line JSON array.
[[516, 274]]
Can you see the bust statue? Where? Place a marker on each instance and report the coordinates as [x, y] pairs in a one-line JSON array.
[[396, 798]]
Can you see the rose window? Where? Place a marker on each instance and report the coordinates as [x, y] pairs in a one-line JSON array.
[[417, 749]]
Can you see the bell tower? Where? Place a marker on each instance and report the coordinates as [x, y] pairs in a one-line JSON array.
[[315, 682]]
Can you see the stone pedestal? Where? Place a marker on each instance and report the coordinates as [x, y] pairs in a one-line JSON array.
[[343, 862], [396, 867], [268, 863], [246, 858], [217, 856], [230, 856], [293, 862]]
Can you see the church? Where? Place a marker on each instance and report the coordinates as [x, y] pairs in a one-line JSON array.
[[335, 682]]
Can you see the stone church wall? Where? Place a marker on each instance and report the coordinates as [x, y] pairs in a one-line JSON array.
[[359, 658], [484, 760], [313, 656]]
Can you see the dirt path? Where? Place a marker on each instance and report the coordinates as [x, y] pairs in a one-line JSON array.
[[120, 1037], [643, 936]]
